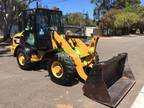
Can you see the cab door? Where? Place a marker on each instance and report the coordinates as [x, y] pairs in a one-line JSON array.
[[43, 33], [29, 28]]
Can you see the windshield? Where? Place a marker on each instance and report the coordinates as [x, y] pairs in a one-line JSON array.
[[50, 20]]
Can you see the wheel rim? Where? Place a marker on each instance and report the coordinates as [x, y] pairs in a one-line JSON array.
[[21, 59], [57, 69]]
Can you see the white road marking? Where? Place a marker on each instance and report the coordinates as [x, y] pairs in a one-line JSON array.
[[139, 102]]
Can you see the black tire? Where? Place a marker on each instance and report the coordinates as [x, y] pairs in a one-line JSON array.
[[97, 57], [69, 76], [27, 65]]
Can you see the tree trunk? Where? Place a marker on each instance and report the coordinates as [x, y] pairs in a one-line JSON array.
[[7, 31], [128, 31], [141, 30], [123, 31], [6, 36]]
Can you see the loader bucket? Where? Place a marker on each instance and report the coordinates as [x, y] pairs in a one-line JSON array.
[[109, 81]]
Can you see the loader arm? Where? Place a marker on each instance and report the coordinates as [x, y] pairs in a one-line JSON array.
[[59, 39]]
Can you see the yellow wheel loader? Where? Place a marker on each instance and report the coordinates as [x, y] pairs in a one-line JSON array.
[[42, 40]]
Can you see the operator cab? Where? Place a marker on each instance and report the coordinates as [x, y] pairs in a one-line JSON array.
[[38, 25]]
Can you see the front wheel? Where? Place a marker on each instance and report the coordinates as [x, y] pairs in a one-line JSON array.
[[62, 69]]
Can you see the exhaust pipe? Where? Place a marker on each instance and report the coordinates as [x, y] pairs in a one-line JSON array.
[[109, 81]]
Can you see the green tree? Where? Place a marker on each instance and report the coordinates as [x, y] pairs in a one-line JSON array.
[[141, 20], [139, 10], [74, 19], [125, 19], [78, 19], [87, 20], [9, 11], [102, 6], [127, 15], [107, 21], [124, 3]]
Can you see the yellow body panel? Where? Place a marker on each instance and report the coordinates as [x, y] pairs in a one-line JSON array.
[[14, 43], [36, 58]]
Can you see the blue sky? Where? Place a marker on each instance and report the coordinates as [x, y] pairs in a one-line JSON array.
[[68, 6]]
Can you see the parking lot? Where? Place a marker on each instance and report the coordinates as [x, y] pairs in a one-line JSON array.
[[34, 89]]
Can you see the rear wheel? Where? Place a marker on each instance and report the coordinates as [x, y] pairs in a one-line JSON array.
[[62, 69], [22, 59]]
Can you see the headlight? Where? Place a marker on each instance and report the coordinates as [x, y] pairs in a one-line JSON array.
[[17, 41]]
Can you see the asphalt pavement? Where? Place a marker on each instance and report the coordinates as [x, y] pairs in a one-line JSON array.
[[34, 89]]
